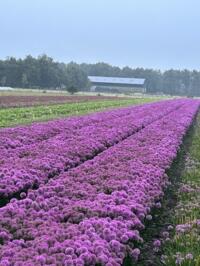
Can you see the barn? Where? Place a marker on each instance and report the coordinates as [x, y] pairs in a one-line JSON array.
[[117, 84]]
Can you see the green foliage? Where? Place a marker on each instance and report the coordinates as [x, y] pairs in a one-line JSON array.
[[76, 77], [72, 89], [15, 116], [41, 72], [183, 247]]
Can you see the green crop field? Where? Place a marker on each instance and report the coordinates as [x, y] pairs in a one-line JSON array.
[[25, 115]]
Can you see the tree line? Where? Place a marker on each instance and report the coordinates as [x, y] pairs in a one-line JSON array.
[[44, 73], [41, 73]]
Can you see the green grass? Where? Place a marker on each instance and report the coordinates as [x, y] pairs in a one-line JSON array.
[[187, 211], [26, 115]]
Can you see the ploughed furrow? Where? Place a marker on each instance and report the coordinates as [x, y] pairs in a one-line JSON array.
[[93, 214], [30, 167]]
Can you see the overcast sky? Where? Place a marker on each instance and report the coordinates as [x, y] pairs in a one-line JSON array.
[[139, 33]]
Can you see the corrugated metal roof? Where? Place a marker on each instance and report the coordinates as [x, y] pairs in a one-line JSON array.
[[116, 80]]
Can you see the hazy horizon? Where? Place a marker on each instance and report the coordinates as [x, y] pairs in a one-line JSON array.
[[149, 34]]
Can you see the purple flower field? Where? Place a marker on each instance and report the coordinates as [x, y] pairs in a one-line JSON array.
[[78, 191], [32, 155]]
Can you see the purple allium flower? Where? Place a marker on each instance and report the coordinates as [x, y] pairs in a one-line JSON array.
[[103, 259], [124, 238], [149, 217], [189, 256], [170, 227], [5, 262], [158, 205], [165, 234], [41, 259], [69, 251], [183, 228], [135, 253], [157, 243], [179, 260], [198, 223]]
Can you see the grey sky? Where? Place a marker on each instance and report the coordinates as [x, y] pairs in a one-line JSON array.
[[144, 33]]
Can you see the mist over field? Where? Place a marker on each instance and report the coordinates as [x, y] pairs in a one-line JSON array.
[[150, 34], [133, 35]]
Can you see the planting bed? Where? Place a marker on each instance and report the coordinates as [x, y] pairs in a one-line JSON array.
[[85, 191], [22, 100], [24, 165], [24, 115]]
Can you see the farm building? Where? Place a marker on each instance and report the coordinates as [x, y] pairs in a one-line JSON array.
[[117, 85]]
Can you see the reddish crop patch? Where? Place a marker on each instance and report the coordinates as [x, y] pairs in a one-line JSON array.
[[25, 101]]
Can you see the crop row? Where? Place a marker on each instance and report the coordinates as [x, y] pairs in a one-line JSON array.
[[24, 115], [30, 100], [29, 166], [92, 214], [12, 138]]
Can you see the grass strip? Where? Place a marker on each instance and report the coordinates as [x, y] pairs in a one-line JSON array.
[[183, 247]]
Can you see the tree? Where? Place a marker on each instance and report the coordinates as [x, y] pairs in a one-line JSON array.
[[3, 81], [72, 89], [24, 80], [43, 72], [75, 77]]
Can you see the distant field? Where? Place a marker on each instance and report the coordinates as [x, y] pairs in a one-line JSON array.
[[7, 101], [34, 92], [37, 92], [24, 115]]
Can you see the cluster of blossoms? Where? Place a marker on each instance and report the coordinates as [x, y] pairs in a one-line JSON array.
[[180, 259], [93, 213], [185, 188], [32, 155], [187, 227]]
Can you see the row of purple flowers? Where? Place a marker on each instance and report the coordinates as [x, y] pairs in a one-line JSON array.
[[92, 214], [68, 143]]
